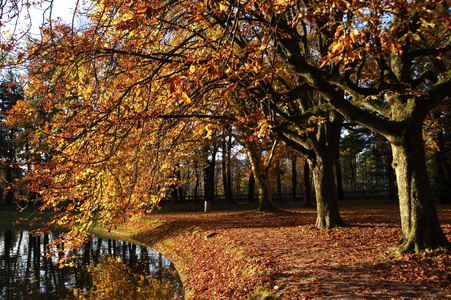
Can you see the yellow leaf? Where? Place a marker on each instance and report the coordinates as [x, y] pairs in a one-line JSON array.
[[354, 35], [187, 99], [209, 131], [222, 7]]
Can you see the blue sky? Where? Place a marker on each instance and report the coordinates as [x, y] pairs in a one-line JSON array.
[[60, 8]]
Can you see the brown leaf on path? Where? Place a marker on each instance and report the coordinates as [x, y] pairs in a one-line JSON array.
[[253, 254]]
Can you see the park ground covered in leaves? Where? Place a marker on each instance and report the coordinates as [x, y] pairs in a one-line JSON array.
[[245, 254]]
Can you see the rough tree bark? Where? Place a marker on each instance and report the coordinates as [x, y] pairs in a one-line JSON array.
[[420, 224], [260, 171], [328, 215], [319, 150]]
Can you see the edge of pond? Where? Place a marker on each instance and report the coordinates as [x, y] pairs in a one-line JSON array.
[[210, 265]]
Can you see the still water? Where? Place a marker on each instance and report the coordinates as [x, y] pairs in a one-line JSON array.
[[106, 269]]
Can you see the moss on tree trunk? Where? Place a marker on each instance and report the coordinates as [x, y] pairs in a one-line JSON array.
[[419, 220]]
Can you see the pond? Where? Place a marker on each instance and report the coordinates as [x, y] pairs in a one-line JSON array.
[[106, 269]]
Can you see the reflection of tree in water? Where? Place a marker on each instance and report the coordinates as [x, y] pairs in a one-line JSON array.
[[26, 274], [114, 280]]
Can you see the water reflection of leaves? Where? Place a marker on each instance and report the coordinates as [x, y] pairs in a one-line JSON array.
[[111, 279]]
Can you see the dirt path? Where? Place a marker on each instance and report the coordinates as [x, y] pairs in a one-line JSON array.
[[304, 263]]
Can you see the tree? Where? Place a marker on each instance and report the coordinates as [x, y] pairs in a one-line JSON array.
[[260, 164], [392, 57], [294, 178], [284, 102], [297, 67], [137, 51], [227, 144], [10, 92], [209, 173], [353, 143], [438, 144], [307, 198]]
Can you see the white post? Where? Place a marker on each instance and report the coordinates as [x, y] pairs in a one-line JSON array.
[[206, 206]]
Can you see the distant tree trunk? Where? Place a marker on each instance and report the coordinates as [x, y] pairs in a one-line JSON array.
[[392, 191], [179, 187], [230, 182], [229, 168], [225, 182], [294, 178], [419, 220], [353, 176], [207, 186], [177, 195], [307, 188], [196, 185], [339, 177], [279, 182], [9, 178], [209, 177], [175, 198], [326, 199], [226, 177], [251, 188], [442, 169]]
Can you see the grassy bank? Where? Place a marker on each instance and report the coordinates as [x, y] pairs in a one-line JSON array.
[[210, 265], [245, 254], [28, 219]]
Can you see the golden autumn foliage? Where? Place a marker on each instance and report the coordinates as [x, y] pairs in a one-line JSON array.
[[119, 103]]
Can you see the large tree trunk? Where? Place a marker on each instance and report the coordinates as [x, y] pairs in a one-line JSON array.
[[261, 177], [420, 224], [264, 192], [326, 199]]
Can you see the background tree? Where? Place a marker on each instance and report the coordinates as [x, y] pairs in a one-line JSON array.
[[10, 92], [294, 111], [227, 146], [438, 142]]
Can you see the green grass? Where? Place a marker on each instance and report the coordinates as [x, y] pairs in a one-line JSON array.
[[12, 219]]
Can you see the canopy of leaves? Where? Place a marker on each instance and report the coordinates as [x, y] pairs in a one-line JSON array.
[[122, 101]]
